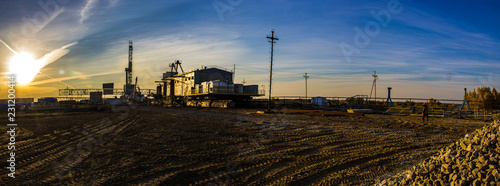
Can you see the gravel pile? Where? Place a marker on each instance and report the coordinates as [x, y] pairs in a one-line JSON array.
[[473, 160]]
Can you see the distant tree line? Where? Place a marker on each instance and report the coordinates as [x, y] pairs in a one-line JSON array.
[[484, 98]]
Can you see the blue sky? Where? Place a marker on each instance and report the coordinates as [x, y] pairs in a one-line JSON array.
[[426, 49]]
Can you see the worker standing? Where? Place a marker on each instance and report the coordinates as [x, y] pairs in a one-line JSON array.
[[425, 113]]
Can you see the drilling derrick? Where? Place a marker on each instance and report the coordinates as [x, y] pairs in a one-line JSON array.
[[128, 71]]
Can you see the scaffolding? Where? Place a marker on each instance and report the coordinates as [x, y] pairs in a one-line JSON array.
[[85, 92]]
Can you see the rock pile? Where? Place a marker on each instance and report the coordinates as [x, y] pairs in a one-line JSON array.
[[473, 160]]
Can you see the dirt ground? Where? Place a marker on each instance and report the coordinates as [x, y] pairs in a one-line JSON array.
[[181, 146]]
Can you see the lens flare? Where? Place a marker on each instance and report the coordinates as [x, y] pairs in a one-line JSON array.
[[25, 67]]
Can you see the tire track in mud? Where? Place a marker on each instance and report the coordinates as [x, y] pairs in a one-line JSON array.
[[36, 157], [309, 160], [171, 147], [149, 170], [318, 145], [49, 147], [110, 135], [355, 163]]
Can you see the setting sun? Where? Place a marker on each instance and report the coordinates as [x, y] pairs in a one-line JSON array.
[[25, 67]]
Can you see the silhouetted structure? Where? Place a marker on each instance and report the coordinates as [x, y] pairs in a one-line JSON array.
[[374, 85], [306, 76], [465, 102], [272, 38], [388, 102], [129, 87]]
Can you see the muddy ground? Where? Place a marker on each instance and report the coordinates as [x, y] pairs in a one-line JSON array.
[[181, 146]]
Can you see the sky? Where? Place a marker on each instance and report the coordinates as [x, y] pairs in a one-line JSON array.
[[421, 49]]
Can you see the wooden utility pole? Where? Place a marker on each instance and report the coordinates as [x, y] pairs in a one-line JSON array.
[[272, 38], [374, 86], [306, 76]]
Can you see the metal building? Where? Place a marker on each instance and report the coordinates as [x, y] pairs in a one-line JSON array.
[[206, 83]]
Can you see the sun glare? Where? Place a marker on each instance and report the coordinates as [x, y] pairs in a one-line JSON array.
[[25, 67]]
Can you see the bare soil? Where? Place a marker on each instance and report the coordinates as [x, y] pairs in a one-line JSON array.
[[181, 146]]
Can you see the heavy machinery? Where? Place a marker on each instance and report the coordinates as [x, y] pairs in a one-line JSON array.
[[208, 86]]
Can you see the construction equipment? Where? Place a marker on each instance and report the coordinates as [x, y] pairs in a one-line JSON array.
[[205, 87], [177, 65]]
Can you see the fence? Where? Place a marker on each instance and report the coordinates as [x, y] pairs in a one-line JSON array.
[[433, 112]]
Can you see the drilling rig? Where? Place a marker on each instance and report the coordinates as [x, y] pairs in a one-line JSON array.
[[129, 88]]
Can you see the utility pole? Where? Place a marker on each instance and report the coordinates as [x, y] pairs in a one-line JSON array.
[[374, 86], [272, 38], [306, 76]]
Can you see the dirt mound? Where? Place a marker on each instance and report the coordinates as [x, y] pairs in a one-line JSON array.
[[473, 160]]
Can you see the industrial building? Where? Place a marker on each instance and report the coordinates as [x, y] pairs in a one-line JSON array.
[[130, 92], [208, 86], [206, 83]]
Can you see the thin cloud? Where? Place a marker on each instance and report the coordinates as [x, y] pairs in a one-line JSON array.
[[57, 53], [8, 47], [51, 18], [87, 9], [58, 81], [73, 77]]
